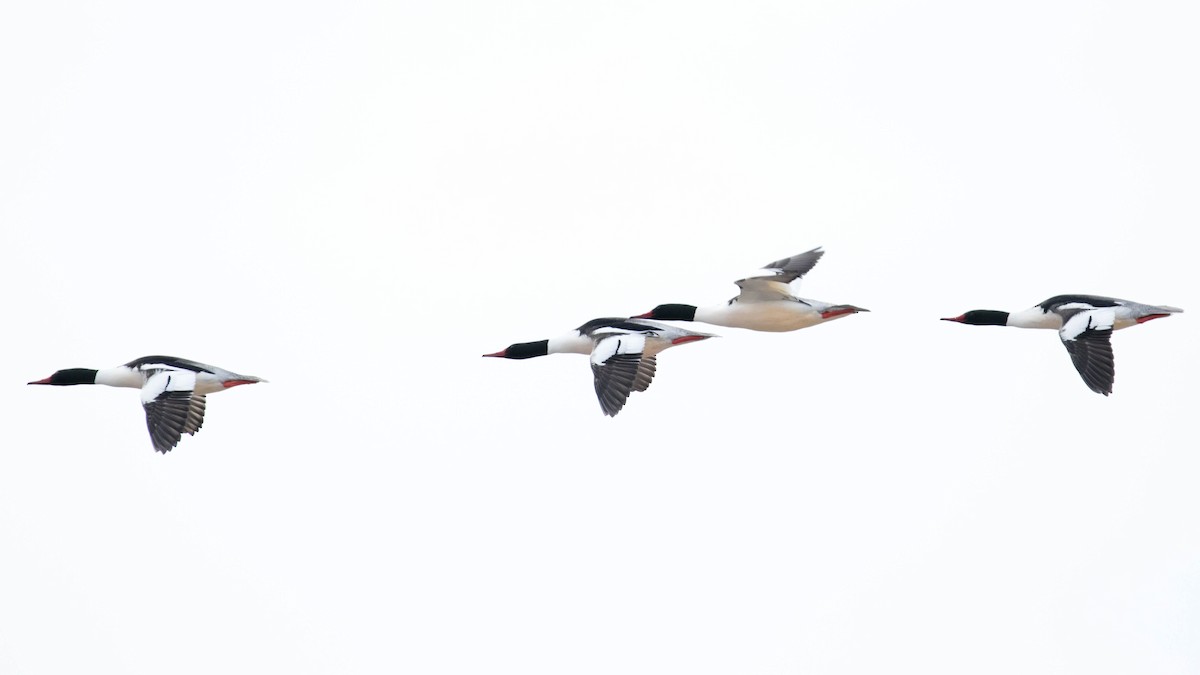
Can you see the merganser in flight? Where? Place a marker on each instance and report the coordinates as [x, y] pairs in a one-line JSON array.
[[173, 391], [1084, 322], [623, 354], [765, 303]]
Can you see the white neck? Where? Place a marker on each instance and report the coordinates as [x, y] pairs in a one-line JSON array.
[[572, 343], [1035, 317], [121, 376], [717, 315]]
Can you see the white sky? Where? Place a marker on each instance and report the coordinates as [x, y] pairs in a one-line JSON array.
[[356, 200]]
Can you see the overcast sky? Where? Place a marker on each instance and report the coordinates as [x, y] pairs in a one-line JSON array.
[[356, 200]]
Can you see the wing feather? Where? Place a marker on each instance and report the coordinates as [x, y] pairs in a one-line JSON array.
[[172, 407], [619, 368], [791, 268], [615, 380], [195, 417], [645, 374], [776, 284], [1087, 336]]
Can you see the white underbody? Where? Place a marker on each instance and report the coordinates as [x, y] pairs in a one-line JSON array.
[[777, 316], [1124, 316], [133, 378], [662, 336]]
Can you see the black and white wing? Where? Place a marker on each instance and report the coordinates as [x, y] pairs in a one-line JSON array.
[[1086, 334], [155, 362], [173, 408], [775, 285], [619, 368]]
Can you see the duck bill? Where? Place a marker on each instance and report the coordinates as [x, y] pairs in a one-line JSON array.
[[43, 381], [690, 338], [647, 315], [499, 354], [1151, 317], [956, 319], [841, 310], [229, 384]]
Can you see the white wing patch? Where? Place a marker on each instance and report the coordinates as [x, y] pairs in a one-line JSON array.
[[1086, 335], [1073, 305], [167, 380], [618, 343], [763, 289], [620, 367], [173, 408], [1091, 319]]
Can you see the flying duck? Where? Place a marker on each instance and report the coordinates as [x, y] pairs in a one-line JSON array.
[[623, 354], [1084, 322], [173, 391], [765, 302]]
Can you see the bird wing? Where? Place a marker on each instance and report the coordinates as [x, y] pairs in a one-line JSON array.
[[1086, 334], [645, 374], [619, 367], [195, 418], [776, 284], [173, 408], [157, 362]]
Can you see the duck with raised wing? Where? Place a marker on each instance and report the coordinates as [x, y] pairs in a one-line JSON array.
[[1084, 323], [765, 303], [173, 391], [623, 353]]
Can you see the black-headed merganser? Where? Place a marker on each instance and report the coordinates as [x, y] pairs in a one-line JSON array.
[[1084, 322], [173, 391], [765, 303], [623, 354]]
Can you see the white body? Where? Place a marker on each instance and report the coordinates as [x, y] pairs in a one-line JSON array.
[[136, 378], [657, 337], [1124, 315], [773, 316]]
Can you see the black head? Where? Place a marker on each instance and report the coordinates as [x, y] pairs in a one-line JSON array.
[[70, 376], [524, 350], [670, 312], [982, 317]]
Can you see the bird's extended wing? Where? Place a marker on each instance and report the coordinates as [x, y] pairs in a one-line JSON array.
[[172, 407], [1086, 335], [619, 368], [781, 273]]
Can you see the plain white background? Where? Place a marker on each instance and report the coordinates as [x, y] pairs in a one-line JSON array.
[[356, 200]]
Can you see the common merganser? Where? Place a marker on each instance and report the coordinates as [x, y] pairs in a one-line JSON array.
[[623, 354], [1084, 322], [765, 303], [173, 391]]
